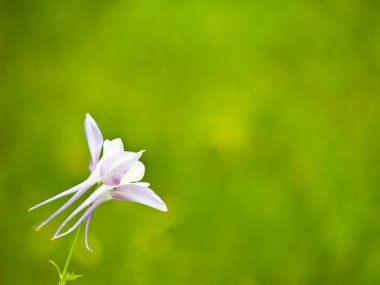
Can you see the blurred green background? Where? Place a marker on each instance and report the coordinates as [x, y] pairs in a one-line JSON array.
[[261, 123]]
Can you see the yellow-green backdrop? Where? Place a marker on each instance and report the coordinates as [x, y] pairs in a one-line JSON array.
[[261, 123]]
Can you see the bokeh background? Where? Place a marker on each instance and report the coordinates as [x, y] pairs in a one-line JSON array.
[[261, 123]]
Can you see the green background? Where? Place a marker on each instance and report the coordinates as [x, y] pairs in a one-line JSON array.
[[261, 123]]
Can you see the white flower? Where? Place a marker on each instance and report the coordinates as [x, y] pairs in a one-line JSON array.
[[119, 172]]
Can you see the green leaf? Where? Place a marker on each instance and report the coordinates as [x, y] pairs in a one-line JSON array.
[[56, 266], [72, 276]]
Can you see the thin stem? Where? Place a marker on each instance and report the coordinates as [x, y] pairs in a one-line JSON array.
[[63, 281]]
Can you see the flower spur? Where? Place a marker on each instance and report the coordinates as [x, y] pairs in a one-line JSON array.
[[119, 172]]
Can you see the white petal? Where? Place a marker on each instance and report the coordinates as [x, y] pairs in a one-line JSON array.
[[139, 194], [88, 219], [79, 190], [103, 198], [116, 165], [113, 146], [103, 189], [94, 140], [144, 184], [135, 173]]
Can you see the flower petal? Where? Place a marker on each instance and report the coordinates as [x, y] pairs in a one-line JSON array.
[[116, 165], [144, 184], [88, 219], [140, 194], [135, 173], [94, 140], [60, 195], [113, 146], [79, 189], [105, 197], [92, 198]]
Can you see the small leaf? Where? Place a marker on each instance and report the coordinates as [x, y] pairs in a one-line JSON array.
[[56, 266], [72, 276]]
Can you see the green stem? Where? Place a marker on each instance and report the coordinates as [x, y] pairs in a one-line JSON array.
[[64, 272]]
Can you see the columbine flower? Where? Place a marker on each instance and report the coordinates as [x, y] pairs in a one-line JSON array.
[[119, 172]]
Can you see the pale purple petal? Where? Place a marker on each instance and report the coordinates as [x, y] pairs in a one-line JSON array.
[[94, 140], [94, 196], [105, 197], [60, 195], [135, 173], [79, 189], [140, 194], [64, 207], [88, 219], [113, 146], [144, 184], [116, 165], [81, 219]]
